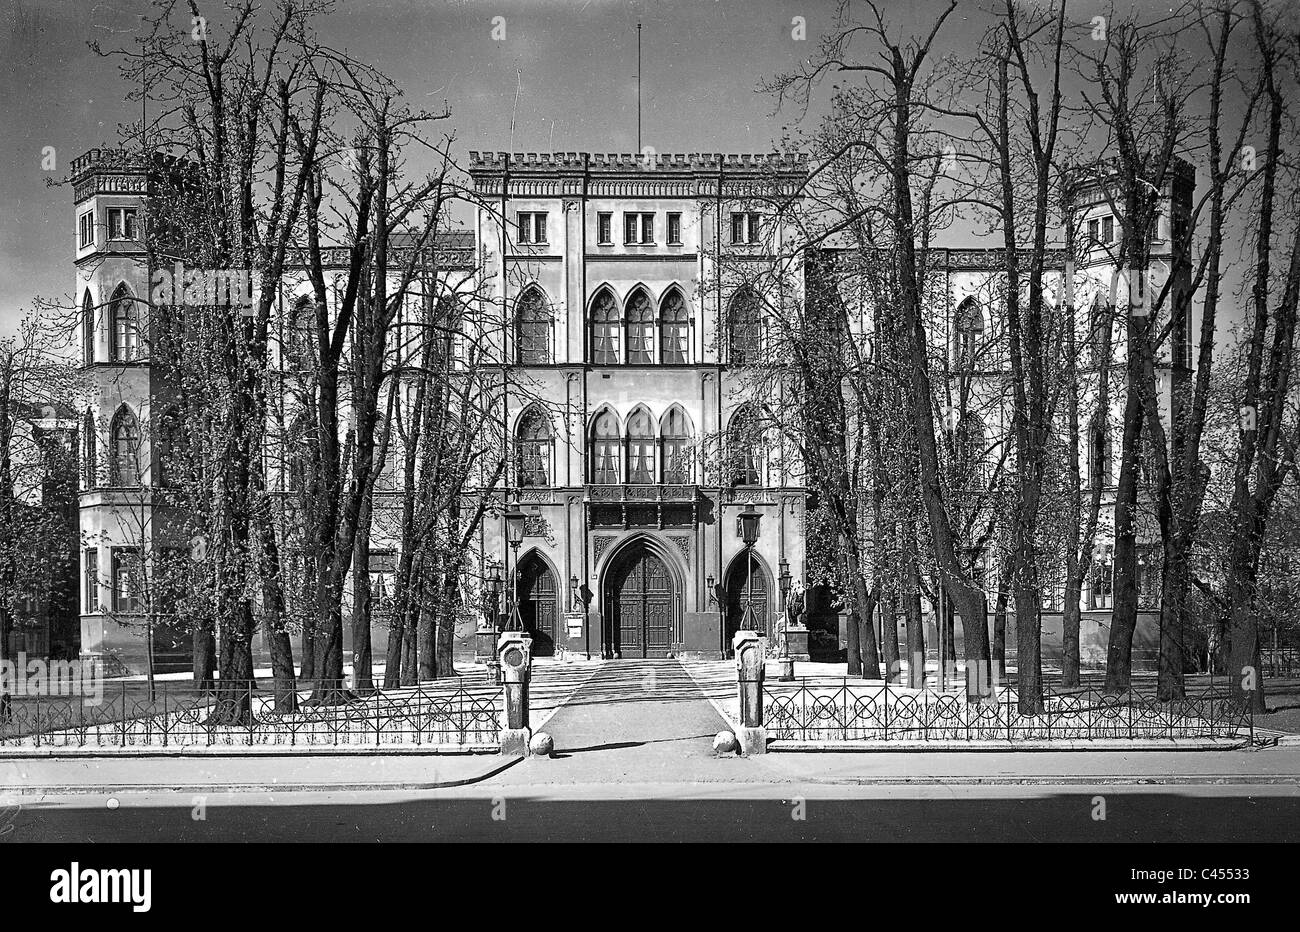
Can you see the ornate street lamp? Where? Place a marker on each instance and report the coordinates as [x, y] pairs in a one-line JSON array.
[[514, 521], [749, 521], [784, 579]]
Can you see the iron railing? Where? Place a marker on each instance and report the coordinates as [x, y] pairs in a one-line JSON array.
[[248, 714], [1280, 661], [845, 711]]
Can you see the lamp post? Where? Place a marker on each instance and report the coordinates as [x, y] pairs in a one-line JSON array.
[[749, 521], [787, 665], [514, 520]]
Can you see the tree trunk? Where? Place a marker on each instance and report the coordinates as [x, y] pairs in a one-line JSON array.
[[915, 638], [1119, 651], [362, 652], [999, 655], [888, 602], [1029, 661], [1070, 617]]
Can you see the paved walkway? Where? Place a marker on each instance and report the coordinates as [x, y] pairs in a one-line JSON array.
[[634, 720]]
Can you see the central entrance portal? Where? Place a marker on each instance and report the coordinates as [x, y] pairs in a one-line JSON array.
[[641, 602]]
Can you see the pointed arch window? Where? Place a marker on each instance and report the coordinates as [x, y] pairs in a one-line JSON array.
[[744, 458], [970, 329], [674, 337], [302, 333], [640, 448], [533, 449], [605, 442], [640, 328], [169, 448], [126, 326], [972, 470], [745, 327], [124, 455], [92, 450], [675, 433], [88, 329], [1099, 450], [532, 329], [604, 329]]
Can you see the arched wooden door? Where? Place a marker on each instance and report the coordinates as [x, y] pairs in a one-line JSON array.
[[538, 603], [641, 599], [747, 589]]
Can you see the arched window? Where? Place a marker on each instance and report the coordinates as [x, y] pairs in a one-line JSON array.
[[169, 448], [640, 328], [604, 329], [124, 462], [88, 329], [675, 434], [605, 442], [92, 450], [969, 325], [674, 338], [126, 326], [302, 334], [532, 329], [744, 440], [533, 449], [745, 327], [640, 448], [1099, 465], [972, 469]]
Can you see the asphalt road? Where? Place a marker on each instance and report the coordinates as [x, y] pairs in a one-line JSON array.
[[683, 813]]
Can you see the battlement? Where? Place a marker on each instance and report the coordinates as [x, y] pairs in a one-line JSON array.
[[650, 162]]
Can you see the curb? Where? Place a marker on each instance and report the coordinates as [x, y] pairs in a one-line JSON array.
[[779, 745], [83, 789], [237, 751]]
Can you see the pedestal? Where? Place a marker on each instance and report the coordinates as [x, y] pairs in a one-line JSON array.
[[796, 639]]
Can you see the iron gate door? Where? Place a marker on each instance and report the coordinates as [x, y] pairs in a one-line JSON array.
[[643, 607], [538, 605]]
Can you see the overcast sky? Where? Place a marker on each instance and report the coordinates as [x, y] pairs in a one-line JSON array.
[[701, 62]]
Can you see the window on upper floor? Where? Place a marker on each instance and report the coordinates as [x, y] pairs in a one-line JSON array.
[[744, 444], [745, 327], [674, 229], [675, 439], [124, 453], [532, 329], [123, 222], [170, 441], [639, 229], [1101, 231], [300, 342], [91, 447], [605, 229], [532, 227], [969, 325], [640, 448], [88, 329], [745, 228], [533, 449], [674, 334], [640, 328], [605, 329], [126, 327], [86, 229], [605, 443], [1099, 454]]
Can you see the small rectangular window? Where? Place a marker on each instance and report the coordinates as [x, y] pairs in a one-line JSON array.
[[605, 229], [86, 229], [674, 229], [92, 580], [127, 588], [639, 229], [1108, 229], [122, 222], [1094, 232], [532, 227], [744, 228]]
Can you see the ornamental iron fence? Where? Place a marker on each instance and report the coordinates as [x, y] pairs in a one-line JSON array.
[[844, 711], [246, 714]]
